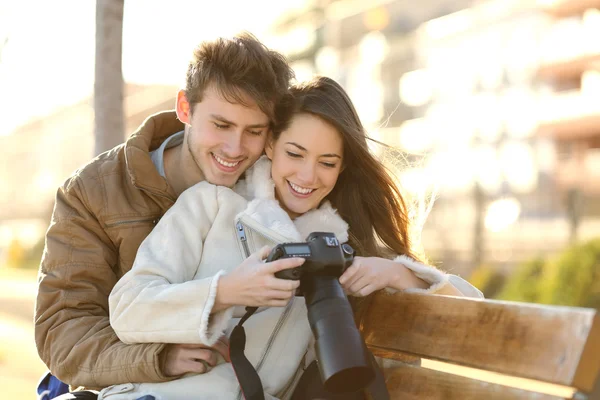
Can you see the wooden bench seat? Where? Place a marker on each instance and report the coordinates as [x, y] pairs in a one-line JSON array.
[[551, 344]]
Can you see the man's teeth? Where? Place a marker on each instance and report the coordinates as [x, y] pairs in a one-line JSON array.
[[300, 189], [225, 163]]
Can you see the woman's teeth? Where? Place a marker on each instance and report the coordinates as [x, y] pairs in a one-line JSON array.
[[225, 163], [300, 189]]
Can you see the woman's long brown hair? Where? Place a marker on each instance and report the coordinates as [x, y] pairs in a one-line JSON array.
[[365, 194]]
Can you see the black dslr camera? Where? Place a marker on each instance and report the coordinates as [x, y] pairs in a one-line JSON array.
[[324, 257], [343, 359]]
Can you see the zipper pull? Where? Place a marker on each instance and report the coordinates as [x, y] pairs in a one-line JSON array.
[[241, 233]]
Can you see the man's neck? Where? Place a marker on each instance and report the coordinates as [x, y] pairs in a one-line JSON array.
[[180, 170]]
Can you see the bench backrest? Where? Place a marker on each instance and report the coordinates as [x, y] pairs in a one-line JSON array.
[[557, 345]]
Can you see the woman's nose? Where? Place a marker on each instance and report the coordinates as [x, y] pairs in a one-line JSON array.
[[307, 174]]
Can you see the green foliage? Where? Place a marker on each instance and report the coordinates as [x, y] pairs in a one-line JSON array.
[[487, 279], [572, 278], [524, 283]]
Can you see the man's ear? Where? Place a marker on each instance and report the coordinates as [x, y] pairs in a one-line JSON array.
[[269, 146], [182, 107]]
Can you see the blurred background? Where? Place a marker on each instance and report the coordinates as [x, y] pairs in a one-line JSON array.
[[491, 106]]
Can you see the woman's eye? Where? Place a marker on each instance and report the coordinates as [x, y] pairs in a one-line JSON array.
[[255, 133], [221, 126], [293, 155], [328, 165]]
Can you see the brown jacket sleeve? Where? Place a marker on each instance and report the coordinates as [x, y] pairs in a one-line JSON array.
[[72, 331]]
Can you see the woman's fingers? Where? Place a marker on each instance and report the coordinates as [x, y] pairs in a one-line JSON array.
[[284, 285], [358, 285], [283, 263]]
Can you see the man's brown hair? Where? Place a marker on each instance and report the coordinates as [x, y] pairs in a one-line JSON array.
[[238, 66]]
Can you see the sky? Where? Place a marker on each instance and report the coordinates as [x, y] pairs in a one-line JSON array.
[[48, 61]]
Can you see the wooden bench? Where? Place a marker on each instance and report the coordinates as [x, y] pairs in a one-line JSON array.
[[550, 344]]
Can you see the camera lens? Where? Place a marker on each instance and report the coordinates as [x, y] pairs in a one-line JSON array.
[[343, 360]]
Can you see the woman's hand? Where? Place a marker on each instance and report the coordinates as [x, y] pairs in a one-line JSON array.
[[253, 283], [181, 359], [369, 274]]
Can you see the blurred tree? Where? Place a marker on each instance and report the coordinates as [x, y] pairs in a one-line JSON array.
[[487, 279], [572, 278], [523, 284], [574, 205], [109, 125], [479, 200]]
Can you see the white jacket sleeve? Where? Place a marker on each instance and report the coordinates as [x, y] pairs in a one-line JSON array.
[[441, 282], [158, 300]]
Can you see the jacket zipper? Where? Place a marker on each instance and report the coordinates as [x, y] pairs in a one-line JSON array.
[[256, 227], [132, 221], [241, 234]]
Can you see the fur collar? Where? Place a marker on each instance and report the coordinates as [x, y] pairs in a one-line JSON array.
[[259, 189]]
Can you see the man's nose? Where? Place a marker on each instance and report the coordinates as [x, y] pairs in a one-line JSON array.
[[233, 146]]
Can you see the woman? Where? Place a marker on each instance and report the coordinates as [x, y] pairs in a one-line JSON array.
[[183, 287]]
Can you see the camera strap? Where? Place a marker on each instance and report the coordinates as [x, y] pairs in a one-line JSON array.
[[248, 378]]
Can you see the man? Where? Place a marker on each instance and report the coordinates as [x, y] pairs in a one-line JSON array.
[[234, 88]]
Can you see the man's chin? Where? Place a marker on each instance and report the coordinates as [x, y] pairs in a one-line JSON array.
[[228, 181]]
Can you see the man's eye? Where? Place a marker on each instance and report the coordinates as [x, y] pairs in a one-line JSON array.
[[293, 155], [221, 126], [256, 133]]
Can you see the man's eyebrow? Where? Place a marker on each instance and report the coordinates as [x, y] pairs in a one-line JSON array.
[[322, 155], [228, 122]]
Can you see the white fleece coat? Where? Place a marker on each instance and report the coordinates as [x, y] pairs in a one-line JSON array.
[[168, 295]]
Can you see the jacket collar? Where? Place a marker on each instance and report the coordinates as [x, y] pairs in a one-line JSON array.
[[149, 136], [265, 209]]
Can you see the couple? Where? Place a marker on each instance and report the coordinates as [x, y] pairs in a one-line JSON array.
[[171, 313]]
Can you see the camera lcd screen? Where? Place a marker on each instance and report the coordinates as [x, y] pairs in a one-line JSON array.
[[294, 250]]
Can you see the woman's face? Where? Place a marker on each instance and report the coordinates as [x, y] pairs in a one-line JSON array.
[[307, 160]]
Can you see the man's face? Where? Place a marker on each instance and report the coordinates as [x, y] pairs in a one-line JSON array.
[[222, 139]]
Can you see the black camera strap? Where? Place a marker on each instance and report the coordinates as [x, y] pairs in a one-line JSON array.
[[248, 378]]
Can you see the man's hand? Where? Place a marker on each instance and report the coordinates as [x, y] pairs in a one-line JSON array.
[[181, 359], [253, 283]]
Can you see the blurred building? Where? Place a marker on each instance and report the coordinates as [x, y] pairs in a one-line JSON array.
[[40, 155], [493, 102]]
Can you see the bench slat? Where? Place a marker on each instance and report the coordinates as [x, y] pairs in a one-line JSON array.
[[409, 382], [526, 340]]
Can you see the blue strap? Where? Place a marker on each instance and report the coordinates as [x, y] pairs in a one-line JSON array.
[[50, 387]]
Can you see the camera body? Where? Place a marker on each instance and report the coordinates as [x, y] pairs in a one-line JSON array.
[[323, 254], [343, 359]]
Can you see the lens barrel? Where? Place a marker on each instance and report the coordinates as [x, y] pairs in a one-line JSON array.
[[343, 360]]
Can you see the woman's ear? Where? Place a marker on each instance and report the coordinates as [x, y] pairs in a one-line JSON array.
[[269, 147], [182, 107]]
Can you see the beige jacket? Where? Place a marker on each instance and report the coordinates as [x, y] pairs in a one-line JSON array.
[[102, 214], [168, 295]]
